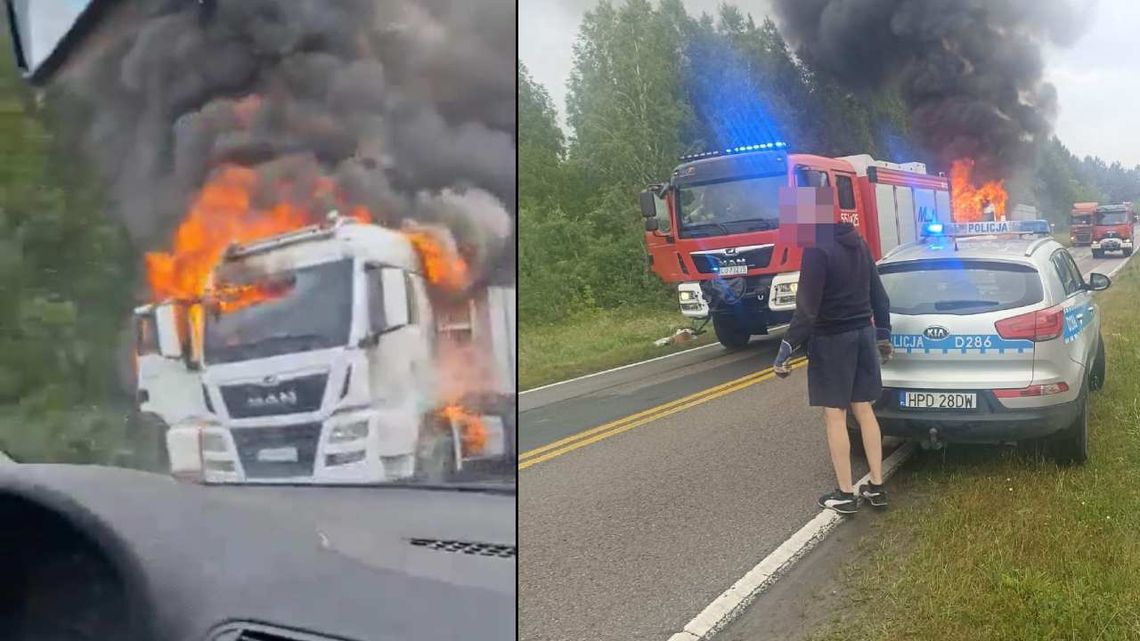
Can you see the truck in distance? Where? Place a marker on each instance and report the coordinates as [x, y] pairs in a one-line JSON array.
[[1112, 230], [1081, 224]]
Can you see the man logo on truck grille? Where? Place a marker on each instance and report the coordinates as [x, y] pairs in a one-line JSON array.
[[935, 333], [288, 397]]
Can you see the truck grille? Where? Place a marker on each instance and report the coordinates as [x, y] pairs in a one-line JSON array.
[[252, 440], [754, 257], [301, 394], [1082, 238]]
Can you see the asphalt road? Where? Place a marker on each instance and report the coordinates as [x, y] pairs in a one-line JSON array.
[[629, 533]]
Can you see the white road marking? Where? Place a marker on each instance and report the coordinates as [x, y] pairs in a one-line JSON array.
[[732, 602], [617, 369]]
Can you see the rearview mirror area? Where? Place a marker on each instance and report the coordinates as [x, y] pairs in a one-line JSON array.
[[648, 204], [1099, 282], [651, 224]]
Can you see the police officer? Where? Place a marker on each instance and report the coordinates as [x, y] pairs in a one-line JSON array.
[[838, 297]]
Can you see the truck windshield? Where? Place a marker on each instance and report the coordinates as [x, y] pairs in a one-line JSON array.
[[314, 312], [731, 207], [1112, 218], [1080, 220]]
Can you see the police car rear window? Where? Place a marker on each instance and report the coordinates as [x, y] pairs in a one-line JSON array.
[[960, 286]]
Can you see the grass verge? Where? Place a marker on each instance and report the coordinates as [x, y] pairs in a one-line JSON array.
[[989, 543], [598, 341]]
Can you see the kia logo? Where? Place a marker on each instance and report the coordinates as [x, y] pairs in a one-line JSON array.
[[936, 333]]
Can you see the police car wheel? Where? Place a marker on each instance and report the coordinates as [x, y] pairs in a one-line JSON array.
[[730, 333], [1099, 367], [1071, 446]]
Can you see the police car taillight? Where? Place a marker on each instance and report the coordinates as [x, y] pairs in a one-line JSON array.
[[1033, 390], [1043, 325]]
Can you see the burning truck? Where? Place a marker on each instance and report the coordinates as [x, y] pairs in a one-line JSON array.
[[317, 355]]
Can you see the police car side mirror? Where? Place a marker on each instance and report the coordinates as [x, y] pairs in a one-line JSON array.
[[1098, 282]]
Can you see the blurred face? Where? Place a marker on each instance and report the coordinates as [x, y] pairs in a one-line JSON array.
[[807, 215]]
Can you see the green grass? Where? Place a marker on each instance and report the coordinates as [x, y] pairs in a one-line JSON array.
[[598, 341], [989, 543]]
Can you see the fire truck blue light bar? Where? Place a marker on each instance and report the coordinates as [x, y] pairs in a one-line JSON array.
[[743, 149]]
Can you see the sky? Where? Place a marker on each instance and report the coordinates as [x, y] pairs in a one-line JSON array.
[[1097, 79]]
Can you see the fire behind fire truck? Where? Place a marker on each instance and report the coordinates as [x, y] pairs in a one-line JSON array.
[[714, 227], [1081, 224], [1112, 229]]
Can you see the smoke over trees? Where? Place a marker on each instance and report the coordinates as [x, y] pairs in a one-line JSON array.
[[970, 71]]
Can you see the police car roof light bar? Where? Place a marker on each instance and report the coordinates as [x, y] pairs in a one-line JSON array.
[[985, 228]]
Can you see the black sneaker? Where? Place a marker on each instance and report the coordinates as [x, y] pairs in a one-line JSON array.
[[876, 495], [842, 502]]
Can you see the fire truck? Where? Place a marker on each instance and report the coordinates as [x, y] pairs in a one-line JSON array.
[[1112, 229], [338, 377], [714, 227], [1081, 224]]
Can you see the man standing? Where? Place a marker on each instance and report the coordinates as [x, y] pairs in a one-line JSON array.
[[839, 294]]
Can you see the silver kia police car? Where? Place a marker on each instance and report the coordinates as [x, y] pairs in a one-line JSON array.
[[996, 339]]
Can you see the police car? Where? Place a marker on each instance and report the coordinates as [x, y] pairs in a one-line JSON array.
[[996, 338]]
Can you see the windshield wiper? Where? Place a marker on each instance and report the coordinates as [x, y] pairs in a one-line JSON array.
[[699, 226], [764, 223], [958, 304]]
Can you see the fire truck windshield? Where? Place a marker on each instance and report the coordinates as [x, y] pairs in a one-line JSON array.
[[731, 207], [1112, 218], [313, 313]]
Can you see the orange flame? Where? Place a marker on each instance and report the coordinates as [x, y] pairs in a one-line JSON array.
[[473, 432], [443, 266], [968, 202]]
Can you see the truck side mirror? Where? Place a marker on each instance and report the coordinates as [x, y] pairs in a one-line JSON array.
[[166, 326], [648, 205], [651, 224], [387, 301]]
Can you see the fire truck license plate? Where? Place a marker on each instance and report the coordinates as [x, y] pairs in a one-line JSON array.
[[278, 455], [733, 270], [938, 400]]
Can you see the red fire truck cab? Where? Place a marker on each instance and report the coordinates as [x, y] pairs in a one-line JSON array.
[[714, 227], [1081, 224], [1112, 229]]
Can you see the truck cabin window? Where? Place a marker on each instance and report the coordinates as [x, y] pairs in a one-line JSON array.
[[732, 207], [1112, 218], [294, 311]]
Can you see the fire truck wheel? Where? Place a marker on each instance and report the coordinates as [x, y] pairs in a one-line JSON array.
[[730, 333], [1127, 253]]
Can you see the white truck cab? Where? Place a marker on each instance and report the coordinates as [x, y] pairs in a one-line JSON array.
[[330, 375]]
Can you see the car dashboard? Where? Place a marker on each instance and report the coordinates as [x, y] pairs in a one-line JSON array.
[[101, 553]]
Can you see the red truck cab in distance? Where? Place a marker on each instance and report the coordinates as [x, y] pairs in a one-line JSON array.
[[1081, 224], [714, 227], [1112, 229]]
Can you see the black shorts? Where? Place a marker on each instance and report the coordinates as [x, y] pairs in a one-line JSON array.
[[844, 369]]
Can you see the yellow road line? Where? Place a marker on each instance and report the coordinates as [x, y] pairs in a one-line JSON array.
[[593, 435]]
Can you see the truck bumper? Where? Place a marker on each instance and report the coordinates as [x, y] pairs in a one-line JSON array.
[[990, 423]]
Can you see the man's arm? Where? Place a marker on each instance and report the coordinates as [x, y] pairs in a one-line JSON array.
[[880, 305], [809, 296]]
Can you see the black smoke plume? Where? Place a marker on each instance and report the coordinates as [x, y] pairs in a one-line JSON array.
[[408, 105], [970, 71]]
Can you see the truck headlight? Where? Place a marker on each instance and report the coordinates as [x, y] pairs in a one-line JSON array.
[[348, 432], [687, 295]]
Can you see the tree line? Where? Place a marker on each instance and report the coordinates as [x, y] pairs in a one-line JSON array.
[[650, 83]]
